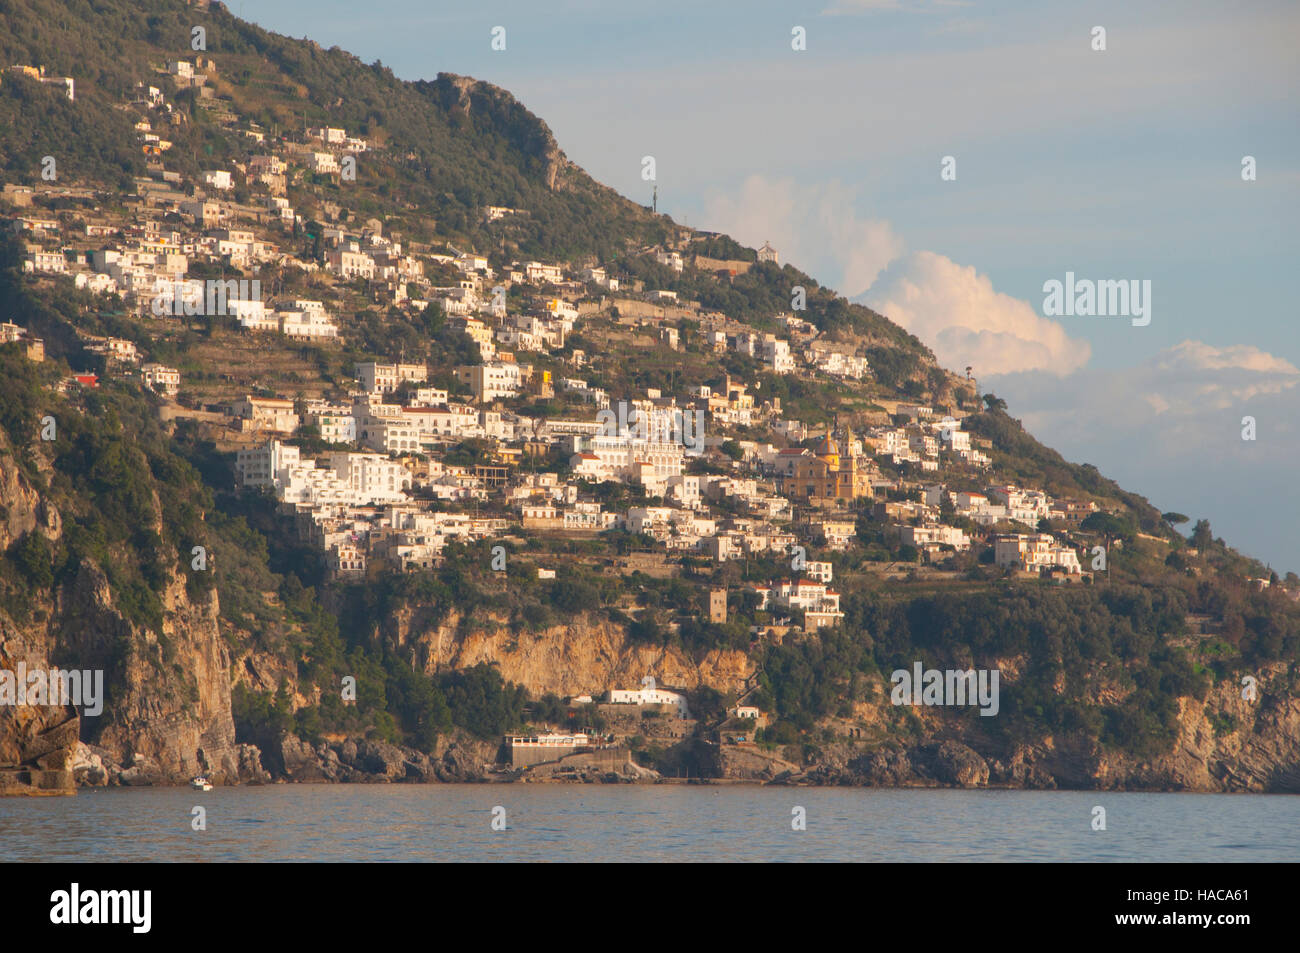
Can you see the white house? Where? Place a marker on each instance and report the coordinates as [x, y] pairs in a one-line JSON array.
[[649, 694], [384, 378], [161, 378], [323, 163], [1034, 552], [218, 179], [491, 381]]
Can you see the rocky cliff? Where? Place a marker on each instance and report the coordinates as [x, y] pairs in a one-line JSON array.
[[168, 715], [36, 742], [166, 706], [584, 655]]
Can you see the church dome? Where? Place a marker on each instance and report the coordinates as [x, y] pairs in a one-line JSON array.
[[827, 450]]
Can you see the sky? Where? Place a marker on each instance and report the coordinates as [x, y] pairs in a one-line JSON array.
[[1122, 163]]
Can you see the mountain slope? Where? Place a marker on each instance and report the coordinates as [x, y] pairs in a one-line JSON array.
[[1113, 685]]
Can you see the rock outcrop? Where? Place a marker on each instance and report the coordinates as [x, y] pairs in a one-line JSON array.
[[37, 742], [36, 751], [291, 758], [1255, 748]]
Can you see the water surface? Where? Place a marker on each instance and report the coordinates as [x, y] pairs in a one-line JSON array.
[[644, 823]]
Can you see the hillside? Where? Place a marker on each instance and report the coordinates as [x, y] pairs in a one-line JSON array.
[[393, 576]]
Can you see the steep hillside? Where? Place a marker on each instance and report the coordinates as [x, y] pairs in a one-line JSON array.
[[230, 643]]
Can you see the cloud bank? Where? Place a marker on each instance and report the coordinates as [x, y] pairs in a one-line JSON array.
[[956, 311]]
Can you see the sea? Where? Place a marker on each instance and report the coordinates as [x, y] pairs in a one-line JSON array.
[[644, 823]]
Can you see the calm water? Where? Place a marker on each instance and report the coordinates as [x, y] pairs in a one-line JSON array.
[[642, 823]]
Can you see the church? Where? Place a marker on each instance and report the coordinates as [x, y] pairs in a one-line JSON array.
[[828, 475]]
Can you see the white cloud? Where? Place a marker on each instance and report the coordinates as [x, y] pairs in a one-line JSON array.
[[816, 229], [1197, 356], [956, 311]]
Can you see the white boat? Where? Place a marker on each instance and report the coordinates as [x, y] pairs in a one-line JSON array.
[[201, 784]]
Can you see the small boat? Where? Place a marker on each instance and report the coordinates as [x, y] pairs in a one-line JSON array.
[[201, 783]]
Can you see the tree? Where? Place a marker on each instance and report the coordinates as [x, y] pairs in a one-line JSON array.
[[707, 704], [1108, 525], [1201, 535], [1174, 519], [995, 404], [574, 595], [32, 555]]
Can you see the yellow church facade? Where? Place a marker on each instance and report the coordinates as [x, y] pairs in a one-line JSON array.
[[827, 475]]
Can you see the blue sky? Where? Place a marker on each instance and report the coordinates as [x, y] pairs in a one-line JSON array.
[[1115, 164]]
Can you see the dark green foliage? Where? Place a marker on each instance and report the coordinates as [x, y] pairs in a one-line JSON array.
[[1202, 537], [86, 140], [1109, 525], [32, 556], [482, 702], [1118, 633], [804, 681]]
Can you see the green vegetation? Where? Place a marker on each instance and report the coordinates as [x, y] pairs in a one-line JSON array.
[[1073, 642]]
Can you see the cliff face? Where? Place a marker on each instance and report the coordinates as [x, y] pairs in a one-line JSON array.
[[166, 698], [167, 716], [24, 509], [1261, 752], [36, 742], [583, 656]]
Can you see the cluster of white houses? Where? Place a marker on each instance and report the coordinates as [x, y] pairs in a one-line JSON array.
[[357, 500]]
